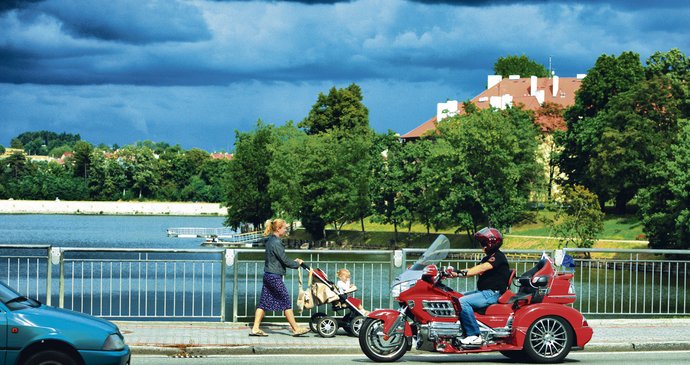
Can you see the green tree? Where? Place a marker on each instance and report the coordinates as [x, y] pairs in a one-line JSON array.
[[16, 143], [286, 172], [334, 180], [247, 184], [16, 164], [665, 203], [142, 168], [579, 220], [519, 65], [107, 177], [389, 182], [341, 109], [637, 128], [82, 159], [673, 63], [2, 149], [42, 142], [486, 168], [609, 77], [58, 151]]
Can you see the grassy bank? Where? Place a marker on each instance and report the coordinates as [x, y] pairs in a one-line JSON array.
[[623, 232]]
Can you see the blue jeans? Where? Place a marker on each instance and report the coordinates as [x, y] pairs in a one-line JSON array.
[[470, 301]]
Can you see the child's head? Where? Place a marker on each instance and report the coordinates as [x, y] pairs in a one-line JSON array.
[[343, 274]]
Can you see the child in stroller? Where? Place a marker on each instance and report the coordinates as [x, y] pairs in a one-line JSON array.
[[325, 291]]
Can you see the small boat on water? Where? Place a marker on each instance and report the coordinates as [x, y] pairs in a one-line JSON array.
[[215, 242], [218, 237]]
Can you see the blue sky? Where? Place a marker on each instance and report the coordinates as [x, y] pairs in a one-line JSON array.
[[192, 72]]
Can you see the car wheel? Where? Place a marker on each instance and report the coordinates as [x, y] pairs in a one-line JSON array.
[[50, 357], [548, 340]]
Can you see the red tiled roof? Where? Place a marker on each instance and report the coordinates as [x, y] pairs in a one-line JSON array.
[[519, 89]]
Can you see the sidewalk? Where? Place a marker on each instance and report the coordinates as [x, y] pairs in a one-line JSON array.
[[203, 338]]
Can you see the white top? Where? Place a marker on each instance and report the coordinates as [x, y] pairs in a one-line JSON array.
[[343, 286]]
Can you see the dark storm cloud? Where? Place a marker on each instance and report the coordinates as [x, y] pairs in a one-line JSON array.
[[127, 70], [127, 21], [626, 4], [6, 5]]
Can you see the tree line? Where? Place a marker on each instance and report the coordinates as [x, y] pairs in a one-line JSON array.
[[145, 171]]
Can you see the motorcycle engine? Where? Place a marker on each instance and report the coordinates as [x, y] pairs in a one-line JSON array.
[[431, 332]]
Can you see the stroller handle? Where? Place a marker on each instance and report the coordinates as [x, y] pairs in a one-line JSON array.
[[305, 266]]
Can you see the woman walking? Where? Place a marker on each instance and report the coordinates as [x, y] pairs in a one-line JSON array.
[[274, 294]]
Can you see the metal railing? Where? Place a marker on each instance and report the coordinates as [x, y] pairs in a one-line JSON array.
[[225, 284]]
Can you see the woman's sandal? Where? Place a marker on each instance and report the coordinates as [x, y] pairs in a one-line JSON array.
[[301, 331], [258, 333]]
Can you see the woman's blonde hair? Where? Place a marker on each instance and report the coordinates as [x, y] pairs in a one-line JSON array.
[[272, 226], [343, 271]]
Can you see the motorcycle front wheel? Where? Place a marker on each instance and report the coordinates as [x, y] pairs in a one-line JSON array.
[[373, 344]]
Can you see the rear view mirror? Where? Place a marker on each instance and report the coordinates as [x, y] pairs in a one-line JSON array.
[[540, 281]]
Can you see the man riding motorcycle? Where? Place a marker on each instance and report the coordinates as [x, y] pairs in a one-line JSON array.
[[494, 273]]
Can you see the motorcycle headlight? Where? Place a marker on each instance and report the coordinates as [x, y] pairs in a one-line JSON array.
[[114, 342], [399, 288]]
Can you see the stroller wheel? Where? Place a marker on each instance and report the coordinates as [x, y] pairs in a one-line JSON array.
[[315, 319], [356, 325], [327, 326]]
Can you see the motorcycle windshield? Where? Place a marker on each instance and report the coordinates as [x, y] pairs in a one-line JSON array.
[[436, 252]]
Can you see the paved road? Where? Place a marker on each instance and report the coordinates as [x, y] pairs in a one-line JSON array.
[[596, 358]]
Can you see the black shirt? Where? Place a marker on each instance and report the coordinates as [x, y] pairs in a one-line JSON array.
[[496, 278]]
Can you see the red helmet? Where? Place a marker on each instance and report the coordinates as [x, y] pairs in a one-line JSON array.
[[490, 238]]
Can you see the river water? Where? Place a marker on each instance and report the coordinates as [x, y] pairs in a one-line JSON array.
[[101, 230]]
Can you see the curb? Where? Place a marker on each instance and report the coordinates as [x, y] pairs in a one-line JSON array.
[[194, 351], [638, 346], [186, 351]]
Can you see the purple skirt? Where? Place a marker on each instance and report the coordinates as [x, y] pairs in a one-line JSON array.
[[274, 294]]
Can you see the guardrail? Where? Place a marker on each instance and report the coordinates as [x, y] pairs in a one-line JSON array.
[[225, 284]]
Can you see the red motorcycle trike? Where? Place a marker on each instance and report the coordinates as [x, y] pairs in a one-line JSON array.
[[535, 323]]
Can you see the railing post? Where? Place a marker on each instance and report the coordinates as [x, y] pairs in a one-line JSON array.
[[397, 260], [49, 275], [61, 284], [235, 292], [225, 261]]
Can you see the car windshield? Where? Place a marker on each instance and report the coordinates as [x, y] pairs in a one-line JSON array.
[[13, 300]]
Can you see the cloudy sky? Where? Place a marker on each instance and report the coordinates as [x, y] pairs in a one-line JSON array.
[[191, 72]]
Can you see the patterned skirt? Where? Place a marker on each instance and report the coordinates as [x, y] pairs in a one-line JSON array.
[[274, 294]]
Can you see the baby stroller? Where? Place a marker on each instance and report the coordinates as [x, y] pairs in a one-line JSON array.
[[325, 291]]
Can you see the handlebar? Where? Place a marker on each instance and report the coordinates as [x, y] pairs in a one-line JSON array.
[[448, 270], [305, 266]]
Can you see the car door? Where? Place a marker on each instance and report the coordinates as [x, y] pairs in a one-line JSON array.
[[3, 335]]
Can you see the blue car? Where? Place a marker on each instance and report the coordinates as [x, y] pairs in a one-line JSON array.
[[32, 333]]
